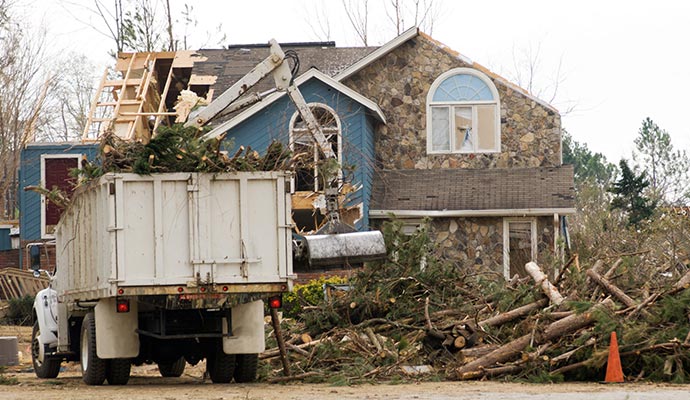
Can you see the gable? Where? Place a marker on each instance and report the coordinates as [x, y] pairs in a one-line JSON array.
[[529, 132]]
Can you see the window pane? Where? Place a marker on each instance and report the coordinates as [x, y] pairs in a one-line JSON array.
[[463, 87], [486, 126], [463, 129], [440, 127]]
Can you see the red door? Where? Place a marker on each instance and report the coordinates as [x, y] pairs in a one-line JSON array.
[[57, 175]]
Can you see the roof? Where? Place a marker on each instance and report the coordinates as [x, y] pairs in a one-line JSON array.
[[413, 32], [479, 192], [311, 74], [229, 65]]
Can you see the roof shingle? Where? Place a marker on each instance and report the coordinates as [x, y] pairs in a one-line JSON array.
[[474, 189]]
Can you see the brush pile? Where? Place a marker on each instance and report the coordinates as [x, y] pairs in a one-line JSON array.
[[418, 316], [180, 149]]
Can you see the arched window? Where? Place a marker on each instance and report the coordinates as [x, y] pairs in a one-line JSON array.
[[302, 142], [463, 114]]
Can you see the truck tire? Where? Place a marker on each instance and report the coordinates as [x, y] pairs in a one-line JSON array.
[[173, 369], [117, 371], [245, 367], [220, 366], [50, 367], [92, 367]]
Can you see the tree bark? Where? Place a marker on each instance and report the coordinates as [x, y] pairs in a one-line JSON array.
[[508, 316], [540, 279], [512, 349], [611, 288]]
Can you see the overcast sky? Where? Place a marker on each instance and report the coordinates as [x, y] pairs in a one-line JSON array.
[[620, 61]]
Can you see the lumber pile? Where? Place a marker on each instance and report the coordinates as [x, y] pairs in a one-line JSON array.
[[449, 320]]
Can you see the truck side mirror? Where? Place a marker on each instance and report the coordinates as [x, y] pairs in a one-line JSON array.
[[35, 257]]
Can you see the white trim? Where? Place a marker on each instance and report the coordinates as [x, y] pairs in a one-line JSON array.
[[378, 53], [312, 73], [518, 212], [450, 104], [42, 183], [339, 133], [506, 241]]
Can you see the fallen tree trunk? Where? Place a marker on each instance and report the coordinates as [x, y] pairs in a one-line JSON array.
[[540, 279], [508, 316], [513, 348], [611, 288]]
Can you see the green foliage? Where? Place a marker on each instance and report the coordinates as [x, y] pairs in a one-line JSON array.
[[20, 311], [629, 196], [668, 169], [309, 294], [588, 166]]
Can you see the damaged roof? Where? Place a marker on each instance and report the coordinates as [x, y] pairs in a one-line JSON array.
[[474, 192], [231, 64]]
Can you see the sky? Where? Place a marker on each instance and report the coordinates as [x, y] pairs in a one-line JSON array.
[[616, 62]]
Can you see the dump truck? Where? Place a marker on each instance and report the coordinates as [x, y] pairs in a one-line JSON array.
[[165, 268], [175, 268]]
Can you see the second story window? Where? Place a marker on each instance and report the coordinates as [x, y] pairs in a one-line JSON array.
[[463, 114], [302, 142]]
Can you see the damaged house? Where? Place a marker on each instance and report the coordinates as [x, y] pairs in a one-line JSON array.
[[421, 133]]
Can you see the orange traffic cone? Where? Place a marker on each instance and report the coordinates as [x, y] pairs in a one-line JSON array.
[[614, 371]]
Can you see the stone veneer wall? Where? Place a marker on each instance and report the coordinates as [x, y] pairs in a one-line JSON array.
[[478, 242], [399, 83]]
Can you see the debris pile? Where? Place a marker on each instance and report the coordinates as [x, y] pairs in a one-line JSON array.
[[182, 149], [419, 316]]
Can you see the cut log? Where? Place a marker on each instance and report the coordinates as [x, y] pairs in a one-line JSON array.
[[512, 349], [611, 288], [540, 279], [459, 342], [508, 316]]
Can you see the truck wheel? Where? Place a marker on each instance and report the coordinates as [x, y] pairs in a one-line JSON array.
[[220, 366], [117, 371], [50, 367], [245, 367], [172, 369], [92, 367]]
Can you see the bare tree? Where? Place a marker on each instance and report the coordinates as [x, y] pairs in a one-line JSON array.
[[69, 99], [318, 21], [529, 73], [404, 14], [24, 84], [358, 14]]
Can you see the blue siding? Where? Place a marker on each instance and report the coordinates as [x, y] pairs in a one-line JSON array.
[[5, 240], [272, 123], [30, 175]]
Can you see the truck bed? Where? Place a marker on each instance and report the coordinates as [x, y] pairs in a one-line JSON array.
[[172, 233]]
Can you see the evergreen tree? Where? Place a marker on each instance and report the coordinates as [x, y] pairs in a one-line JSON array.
[[629, 197], [668, 169], [589, 167]]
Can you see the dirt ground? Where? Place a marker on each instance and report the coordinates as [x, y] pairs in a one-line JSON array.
[[147, 384]]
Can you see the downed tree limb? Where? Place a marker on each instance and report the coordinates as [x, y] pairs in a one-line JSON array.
[[275, 320], [508, 316], [276, 352], [512, 349], [297, 377], [611, 288], [607, 276], [540, 279]]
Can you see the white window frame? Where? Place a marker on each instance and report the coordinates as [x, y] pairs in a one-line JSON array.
[[339, 132], [451, 120], [506, 241], [44, 157]]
